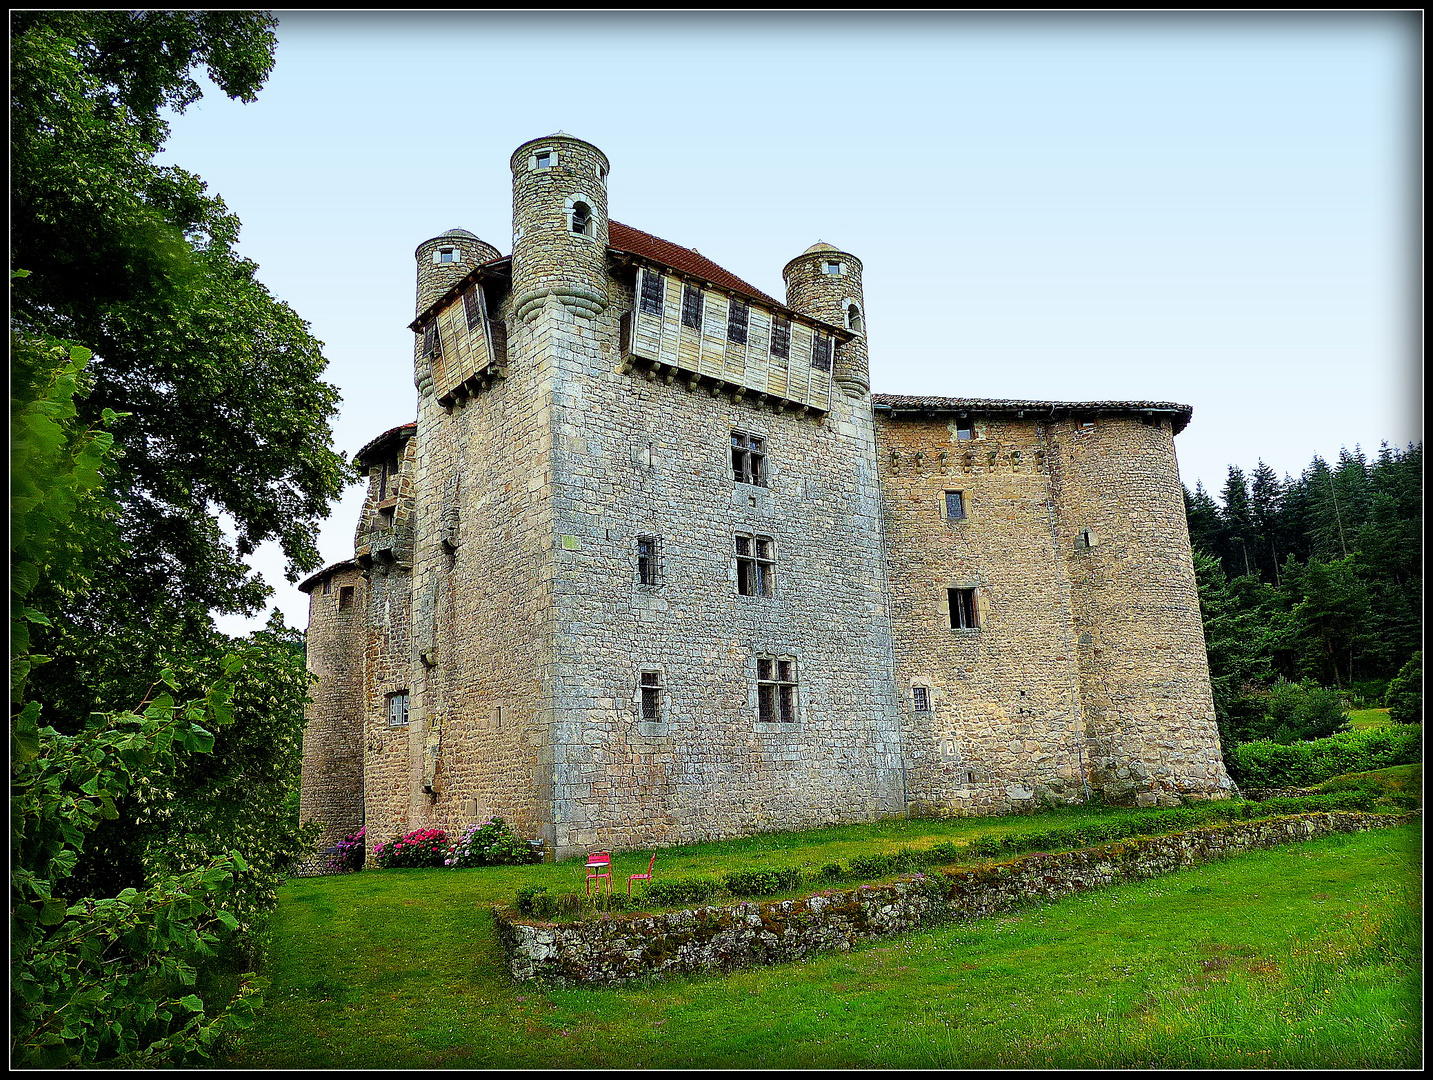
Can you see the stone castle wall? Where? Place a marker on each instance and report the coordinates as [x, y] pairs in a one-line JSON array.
[[1144, 672], [1003, 726], [332, 782], [650, 457], [500, 587]]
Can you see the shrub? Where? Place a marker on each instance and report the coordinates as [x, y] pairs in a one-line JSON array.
[[1297, 712], [425, 847], [534, 900], [1405, 693], [677, 891], [882, 864], [762, 882], [490, 843], [987, 845], [1268, 764], [347, 854]]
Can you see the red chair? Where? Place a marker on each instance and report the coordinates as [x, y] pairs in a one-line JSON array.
[[599, 863], [642, 877]]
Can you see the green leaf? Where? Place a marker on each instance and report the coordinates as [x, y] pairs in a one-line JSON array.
[[192, 1003]]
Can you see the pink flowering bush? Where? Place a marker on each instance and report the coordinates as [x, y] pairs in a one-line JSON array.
[[425, 847], [347, 854], [490, 843]]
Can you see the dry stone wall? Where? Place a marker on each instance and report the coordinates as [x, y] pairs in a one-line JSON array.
[[619, 948]]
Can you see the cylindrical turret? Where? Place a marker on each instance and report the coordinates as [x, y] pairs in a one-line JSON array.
[[559, 210], [446, 258], [825, 283]]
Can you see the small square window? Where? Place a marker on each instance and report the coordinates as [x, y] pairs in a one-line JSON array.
[[832, 269], [1085, 425], [345, 597], [748, 458], [327, 586], [954, 505], [962, 609], [544, 159], [445, 255], [965, 428], [922, 698], [398, 709]]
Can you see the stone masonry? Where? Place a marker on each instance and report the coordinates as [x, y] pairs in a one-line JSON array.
[[652, 565]]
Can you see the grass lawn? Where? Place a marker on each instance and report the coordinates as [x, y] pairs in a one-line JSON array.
[[1303, 956], [1358, 719]]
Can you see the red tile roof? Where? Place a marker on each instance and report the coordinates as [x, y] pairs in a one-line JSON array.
[[402, 432], [636, 242]]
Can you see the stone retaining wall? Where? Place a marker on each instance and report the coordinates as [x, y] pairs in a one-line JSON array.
[[622, 947]]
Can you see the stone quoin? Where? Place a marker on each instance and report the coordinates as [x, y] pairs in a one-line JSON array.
[[652, 565]]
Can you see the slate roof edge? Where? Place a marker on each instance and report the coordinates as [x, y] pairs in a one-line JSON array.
[[897, 404]]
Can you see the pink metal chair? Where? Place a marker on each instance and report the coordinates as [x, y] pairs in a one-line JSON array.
[[642, 877], [599, 865]]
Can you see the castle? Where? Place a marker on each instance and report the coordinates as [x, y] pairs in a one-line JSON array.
[[653, 565]]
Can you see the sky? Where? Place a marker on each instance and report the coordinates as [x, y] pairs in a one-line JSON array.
[[1218, 210]]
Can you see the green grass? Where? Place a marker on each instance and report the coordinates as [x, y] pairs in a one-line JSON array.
[[1358, 719], [1303, 956]]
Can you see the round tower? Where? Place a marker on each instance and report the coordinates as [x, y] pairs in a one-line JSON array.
[[559, 208], [446, 258], [825, 283]]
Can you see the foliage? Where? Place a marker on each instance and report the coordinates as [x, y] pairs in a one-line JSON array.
[[490, 843], [1323, 575], [127, 924], [1263, 764], [422, 847], [766, 882], [535, 901], [235, 797], [1295, 712], [348, 853], [674, 892], [1405, 693], [111, 979], [59, 516], [213, 384]]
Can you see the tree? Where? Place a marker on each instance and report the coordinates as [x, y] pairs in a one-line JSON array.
[[1333, 619], [95, 978], [1206, 528], [214, 384], [1405, 693]]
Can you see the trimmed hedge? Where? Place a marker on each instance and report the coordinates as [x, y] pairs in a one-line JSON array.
[[1264, 764], [683, 891]]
